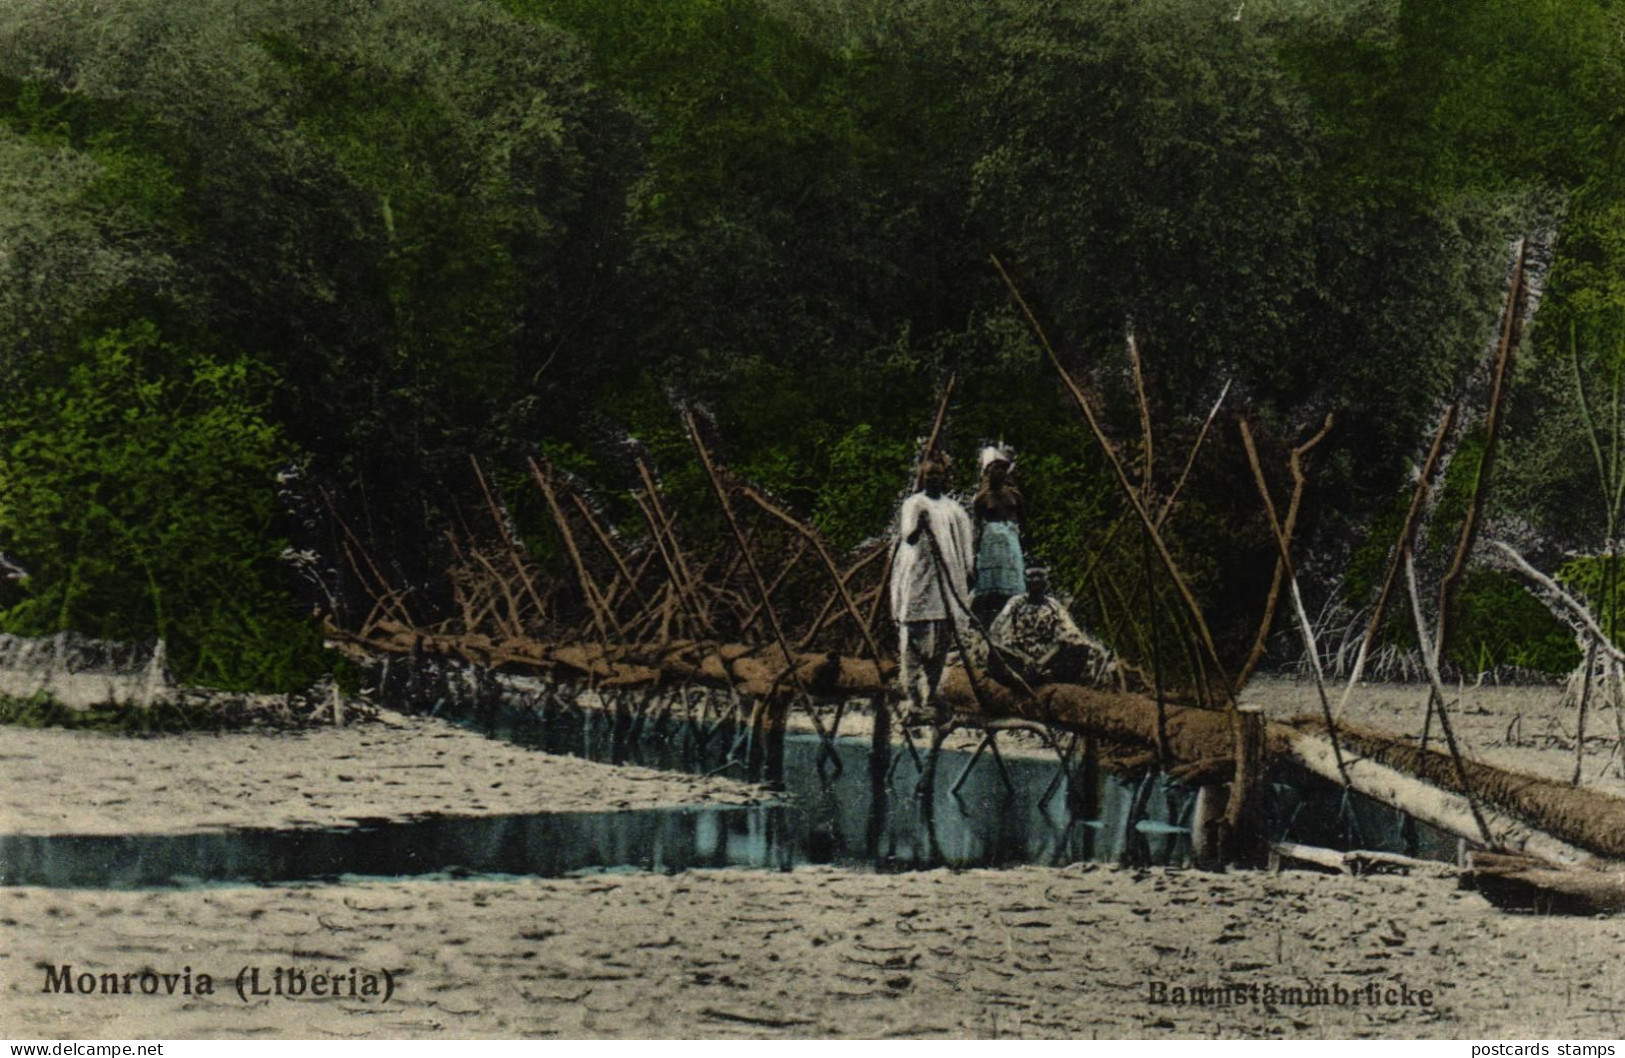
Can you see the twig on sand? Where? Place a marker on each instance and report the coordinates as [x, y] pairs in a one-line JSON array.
[[778, 1022]]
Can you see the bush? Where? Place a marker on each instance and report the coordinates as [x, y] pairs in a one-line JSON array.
[[140, 495]]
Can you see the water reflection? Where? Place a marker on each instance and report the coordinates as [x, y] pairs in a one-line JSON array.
[[847, 815]]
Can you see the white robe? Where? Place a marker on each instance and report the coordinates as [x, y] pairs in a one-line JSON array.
[[916, 587]]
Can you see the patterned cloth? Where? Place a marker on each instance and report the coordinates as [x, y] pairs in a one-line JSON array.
[[1044, 638], [1000, 568]]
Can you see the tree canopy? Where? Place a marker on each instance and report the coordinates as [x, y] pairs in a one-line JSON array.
[[356, 243]]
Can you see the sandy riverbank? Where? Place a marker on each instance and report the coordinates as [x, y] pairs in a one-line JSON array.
[[1070, 952], [1527, 729], [820, 952], [78, 782]]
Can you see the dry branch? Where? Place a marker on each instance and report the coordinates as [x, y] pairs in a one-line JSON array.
[[1127, 488], [1284, 531]]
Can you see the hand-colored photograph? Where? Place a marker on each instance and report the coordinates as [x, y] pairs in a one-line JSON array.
[[812, 519]]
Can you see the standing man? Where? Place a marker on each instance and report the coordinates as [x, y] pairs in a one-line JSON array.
[[930, 584]]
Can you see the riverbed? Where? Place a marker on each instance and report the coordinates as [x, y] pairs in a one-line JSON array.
[[1061, 950]]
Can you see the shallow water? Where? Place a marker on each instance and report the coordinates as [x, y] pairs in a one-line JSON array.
[[825, 815]]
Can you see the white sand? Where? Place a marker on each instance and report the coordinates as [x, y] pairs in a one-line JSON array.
[[819, 952], [76, 782], [816, 952]]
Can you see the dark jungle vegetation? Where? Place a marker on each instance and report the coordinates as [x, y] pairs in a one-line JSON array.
[[272, 270]]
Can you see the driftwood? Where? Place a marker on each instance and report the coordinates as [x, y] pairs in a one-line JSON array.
[[1359, 861], [1525, 883]]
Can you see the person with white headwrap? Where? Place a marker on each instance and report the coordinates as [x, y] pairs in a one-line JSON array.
[[930, 582], [998, 509]]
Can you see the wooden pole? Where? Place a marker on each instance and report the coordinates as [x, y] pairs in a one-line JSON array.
[[1284, 564], [1282, 530], [856, 612], [1580, 722], [931, 440], [601, 618], [662, 527], [1207, 819], [1128, 490], [1245, 840], [778, 711], [1430, 658], [507, 537], [811, 536], [1402, 547], [1190, 458], [1511, 331], [1146, 460], [604, 541]]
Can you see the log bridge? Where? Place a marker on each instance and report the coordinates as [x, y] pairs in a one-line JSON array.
[[663, 618], [1557, 825]]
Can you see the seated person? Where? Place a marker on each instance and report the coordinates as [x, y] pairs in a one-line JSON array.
[[1038, 638]]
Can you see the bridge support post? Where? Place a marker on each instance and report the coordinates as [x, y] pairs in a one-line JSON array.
[[1243, 839]]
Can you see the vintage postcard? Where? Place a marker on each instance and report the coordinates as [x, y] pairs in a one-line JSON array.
[[822, 519]]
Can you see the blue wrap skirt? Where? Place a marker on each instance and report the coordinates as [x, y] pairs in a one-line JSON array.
[[1000, 568]]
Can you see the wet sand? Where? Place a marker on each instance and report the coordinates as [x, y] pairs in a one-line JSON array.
[[820, 953], [78, 782]]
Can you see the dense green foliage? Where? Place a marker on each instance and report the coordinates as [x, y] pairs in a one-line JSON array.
[[143, 492], [369, 239]]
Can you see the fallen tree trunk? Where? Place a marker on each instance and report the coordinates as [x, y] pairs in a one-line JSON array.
[[1573, 814], [1523, 884], [1551, 820], [762, 672], [1418, 798]]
